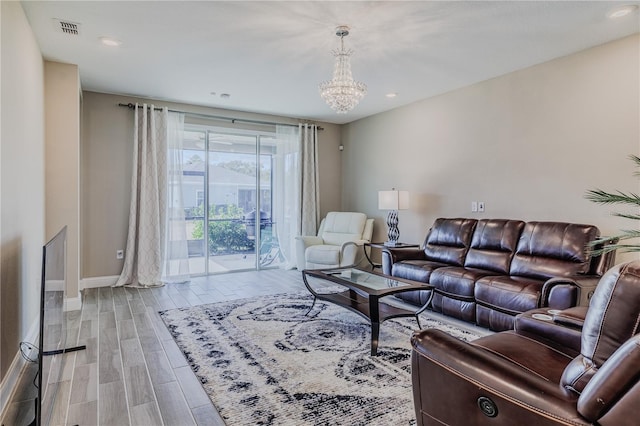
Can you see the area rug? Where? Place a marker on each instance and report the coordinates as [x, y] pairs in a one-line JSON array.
[[262, 361]]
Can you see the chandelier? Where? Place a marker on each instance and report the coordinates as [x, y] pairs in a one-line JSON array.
[[342, 93]]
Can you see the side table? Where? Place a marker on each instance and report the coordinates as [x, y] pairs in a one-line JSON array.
[[381, 246]]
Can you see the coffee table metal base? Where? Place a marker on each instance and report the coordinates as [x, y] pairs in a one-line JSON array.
[[368, 306]]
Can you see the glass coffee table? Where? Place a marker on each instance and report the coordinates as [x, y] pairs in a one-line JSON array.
[[363, 295]]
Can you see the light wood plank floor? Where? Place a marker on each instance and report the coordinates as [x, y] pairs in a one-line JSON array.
[[132, 372]]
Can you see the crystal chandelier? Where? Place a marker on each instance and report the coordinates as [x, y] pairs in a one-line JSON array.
[[342, 93]]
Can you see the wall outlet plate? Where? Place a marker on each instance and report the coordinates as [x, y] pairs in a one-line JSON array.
[[119, 254], [480, 206]]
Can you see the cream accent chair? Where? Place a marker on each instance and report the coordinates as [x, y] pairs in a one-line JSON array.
[[339, 242]]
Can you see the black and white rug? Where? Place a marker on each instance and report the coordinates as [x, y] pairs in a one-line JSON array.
[[263, 362]]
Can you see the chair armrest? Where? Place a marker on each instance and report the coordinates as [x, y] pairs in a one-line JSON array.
[[302, 242], [310, 240], [352, 252], [572, 317], [617, 377], [465, 372]]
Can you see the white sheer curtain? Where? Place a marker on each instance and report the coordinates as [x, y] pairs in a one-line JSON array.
[[295, 190], [153, 252]]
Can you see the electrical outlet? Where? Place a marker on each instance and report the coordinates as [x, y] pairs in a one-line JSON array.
[[120, 254], [474, 206], [480, 206]]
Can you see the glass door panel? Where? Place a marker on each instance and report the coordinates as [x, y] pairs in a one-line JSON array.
[[193, 190], [233, 203], [269, 254]]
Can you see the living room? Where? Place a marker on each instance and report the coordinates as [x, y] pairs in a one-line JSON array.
[[528, 143]]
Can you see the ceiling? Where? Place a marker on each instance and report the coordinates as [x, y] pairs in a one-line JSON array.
[[269, 56]]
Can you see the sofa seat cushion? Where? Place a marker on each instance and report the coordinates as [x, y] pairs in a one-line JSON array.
[[512, 295], [457, 282], [323, 254], [415, 270], [535, 356]]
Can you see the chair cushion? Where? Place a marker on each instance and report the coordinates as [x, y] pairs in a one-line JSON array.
[[535, 356], [323, 255], [340, 227]]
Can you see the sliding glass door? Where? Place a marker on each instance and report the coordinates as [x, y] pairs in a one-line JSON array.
[[228, 194]]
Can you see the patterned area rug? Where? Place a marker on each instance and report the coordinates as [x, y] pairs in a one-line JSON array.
[[263, 362]]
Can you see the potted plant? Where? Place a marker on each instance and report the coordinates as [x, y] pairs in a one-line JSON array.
[[626, 199]]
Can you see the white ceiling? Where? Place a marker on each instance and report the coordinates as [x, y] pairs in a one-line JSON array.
[[271, 55]]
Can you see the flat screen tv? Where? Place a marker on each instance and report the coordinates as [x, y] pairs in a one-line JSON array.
[[53, 327]]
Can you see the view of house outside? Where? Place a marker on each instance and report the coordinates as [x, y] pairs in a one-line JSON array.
[[229, 201]]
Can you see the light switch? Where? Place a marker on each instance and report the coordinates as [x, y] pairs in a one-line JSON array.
[[474, 206]]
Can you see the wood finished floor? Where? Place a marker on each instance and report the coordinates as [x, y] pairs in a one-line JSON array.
[[132, 372]]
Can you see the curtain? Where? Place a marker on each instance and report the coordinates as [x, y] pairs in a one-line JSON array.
[[295, 190], [310, 190], [155, 206], [286, 191]]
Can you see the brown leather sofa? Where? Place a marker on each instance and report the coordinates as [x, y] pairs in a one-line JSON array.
[[488, 271], [528, 377]]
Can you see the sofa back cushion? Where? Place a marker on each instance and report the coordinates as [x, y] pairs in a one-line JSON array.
[[553, 249], [613, 317], [340, 227], [449, 239], [493, 244]]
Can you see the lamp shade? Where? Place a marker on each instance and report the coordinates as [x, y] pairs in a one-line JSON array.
[[393, 200]]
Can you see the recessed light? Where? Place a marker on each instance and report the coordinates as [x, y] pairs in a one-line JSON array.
[[225, 95], [110, 41], [621, 11], [391, 95]]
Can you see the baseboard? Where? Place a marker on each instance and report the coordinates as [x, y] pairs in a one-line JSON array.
[[95, 282], [72, 304], [10, 380]]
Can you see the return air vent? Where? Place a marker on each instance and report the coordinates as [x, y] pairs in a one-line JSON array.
[[67, 27]]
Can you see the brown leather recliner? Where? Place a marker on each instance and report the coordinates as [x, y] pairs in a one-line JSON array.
[[523, 378]]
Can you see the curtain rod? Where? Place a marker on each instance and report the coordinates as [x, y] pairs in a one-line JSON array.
[[219, 117]]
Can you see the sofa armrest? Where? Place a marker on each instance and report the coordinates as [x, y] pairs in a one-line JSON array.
[[565, 292], [451, 376], [391, 255]]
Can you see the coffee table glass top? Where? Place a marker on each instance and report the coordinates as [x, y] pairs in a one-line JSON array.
[[366, 279]]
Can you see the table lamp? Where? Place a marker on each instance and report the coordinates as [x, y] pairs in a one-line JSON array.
[[393, 201]]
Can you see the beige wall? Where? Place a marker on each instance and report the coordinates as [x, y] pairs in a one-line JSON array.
[[62, 161], [107, 134], [22, 180], [528, 144]]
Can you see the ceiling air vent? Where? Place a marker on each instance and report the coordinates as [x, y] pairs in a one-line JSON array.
[[67, 27]]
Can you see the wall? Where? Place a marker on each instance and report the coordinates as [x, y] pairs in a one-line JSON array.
[[22, 181], [528, 144], [62, 164], [107, 134]]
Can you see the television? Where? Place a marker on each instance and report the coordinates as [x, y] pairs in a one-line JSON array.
[[53, 327]]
